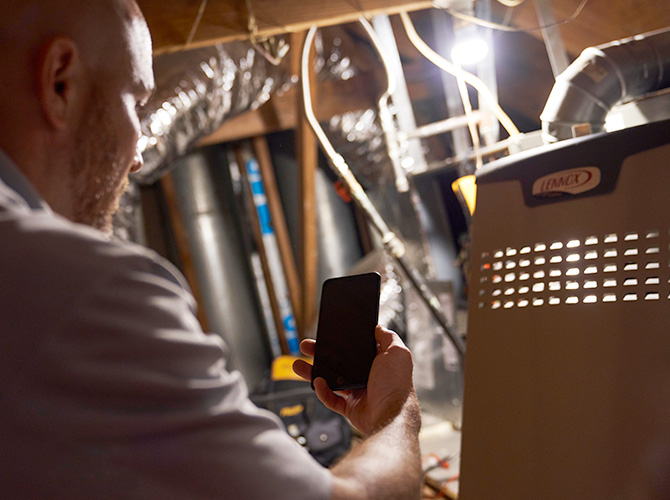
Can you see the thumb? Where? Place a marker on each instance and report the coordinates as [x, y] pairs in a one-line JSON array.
[[385, 338]]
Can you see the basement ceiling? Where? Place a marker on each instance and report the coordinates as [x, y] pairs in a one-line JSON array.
[[522, 66], [172, 23]]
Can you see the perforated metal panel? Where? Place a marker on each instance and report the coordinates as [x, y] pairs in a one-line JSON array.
[[584, 270], [567, 382]]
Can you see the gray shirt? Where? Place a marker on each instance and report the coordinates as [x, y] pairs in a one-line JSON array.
[[108, 386]]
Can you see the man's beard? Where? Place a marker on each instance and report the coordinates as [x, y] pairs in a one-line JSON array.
[[98, 178]]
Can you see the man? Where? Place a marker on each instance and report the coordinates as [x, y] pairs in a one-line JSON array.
[[108, 387]]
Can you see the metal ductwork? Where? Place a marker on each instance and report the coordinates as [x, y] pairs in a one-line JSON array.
[[603, 76], [212, 222], [196, 91]]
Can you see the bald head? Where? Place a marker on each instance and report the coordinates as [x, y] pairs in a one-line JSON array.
[[62, 60], [97, 26]]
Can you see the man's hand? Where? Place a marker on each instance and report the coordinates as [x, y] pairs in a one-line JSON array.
[[390, 385], [387, 464]]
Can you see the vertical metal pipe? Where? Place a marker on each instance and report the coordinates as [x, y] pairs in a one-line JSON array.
[[338, 248], [486, 70], [461, 142], [558, 56], [406, 157], [212, 222]]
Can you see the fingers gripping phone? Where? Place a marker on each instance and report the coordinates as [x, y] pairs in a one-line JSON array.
[[345, 335]]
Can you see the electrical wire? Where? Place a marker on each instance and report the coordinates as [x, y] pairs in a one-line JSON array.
[[392, 243], [251, 22], [433, 461], [307, 98], [444, 491], [509, 29], [472, 123], [196, 24], [280, 49], [451, 68]]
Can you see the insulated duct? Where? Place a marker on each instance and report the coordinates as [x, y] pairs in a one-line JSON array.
[[196, 91], [603, 76]]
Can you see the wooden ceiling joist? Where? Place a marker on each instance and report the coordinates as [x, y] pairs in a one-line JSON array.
[[171, 22], [599, 22]]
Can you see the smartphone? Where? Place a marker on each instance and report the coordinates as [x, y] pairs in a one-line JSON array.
[[345, 335]]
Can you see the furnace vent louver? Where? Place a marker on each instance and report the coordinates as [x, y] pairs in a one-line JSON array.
[[597, 268]]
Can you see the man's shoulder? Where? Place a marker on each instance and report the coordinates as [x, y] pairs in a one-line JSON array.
[[41, 247]]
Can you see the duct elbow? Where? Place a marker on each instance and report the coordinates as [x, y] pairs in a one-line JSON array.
[[603, 76], [583, 94]]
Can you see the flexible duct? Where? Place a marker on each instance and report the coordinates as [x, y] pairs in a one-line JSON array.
[[603, 76], [196, 91]]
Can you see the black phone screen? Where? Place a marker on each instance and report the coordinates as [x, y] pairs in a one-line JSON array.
[[345, 336]]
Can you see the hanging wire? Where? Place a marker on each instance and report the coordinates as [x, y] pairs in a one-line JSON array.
[[501, 27], [196, 23], [472, 122], [451, 68], [251, 22], [266, 46], [392, 243]]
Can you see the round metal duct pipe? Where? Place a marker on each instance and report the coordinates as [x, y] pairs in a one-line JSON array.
[[603, 76], [211, 219], [338, 246]]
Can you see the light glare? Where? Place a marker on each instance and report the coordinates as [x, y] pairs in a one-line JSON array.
[[469, 51]]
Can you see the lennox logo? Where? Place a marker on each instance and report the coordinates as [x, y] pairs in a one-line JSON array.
[[574, 181]]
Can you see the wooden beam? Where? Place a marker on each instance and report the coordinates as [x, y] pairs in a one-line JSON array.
[[600, 21], [522, 58], [262, 153], [280, 112], [226, 20], [335, 96]]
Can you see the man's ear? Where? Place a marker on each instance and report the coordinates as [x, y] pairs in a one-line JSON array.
[[61, 81]]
